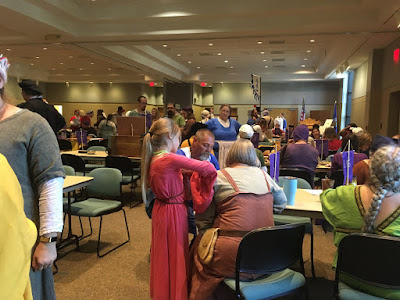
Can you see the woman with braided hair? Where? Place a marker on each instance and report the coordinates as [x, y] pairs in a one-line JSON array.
[[373, 207]]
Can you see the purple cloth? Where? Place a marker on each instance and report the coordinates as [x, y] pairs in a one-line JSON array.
[[348, 159], [325, 148], [81, 136], [337, 160], [301, 156], [300, 133], [274, 162]]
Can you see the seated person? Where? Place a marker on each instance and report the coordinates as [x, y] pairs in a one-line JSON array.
[[364, 141], [316, 134], [361, 169], [337, 159], [246, 132], [264, 129], [196, 126], [235, 215], [334, 140], [370, 208], [300, 154], [277, 131]]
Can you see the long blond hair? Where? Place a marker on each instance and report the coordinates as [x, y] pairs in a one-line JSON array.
[[158, 137]]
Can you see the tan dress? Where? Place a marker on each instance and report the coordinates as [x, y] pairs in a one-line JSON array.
[[237, 214]]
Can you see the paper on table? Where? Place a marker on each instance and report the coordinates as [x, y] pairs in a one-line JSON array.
[[314, 192]]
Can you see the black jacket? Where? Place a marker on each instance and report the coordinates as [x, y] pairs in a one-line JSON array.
[[37, 105]]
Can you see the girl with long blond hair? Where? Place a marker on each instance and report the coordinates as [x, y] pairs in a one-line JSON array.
[[161, 169]]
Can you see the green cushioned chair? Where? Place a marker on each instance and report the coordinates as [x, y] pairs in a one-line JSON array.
[[92, 166], [370, 263], [270, 251], [106, 185]]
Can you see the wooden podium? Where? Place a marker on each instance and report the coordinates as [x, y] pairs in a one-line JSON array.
[[129, 140]]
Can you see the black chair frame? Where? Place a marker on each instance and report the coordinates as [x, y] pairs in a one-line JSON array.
[[298, 172], [74, 161], [64, 145], [369, 258]]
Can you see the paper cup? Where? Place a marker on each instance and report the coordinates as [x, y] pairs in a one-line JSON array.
[[290, 188]]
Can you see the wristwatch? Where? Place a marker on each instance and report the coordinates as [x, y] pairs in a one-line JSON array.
[[47, 239]]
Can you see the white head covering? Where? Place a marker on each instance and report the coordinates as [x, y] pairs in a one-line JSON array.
[[4, 67], [205, 114], [246, 131]]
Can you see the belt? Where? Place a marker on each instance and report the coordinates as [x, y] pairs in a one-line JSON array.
[[166, 199], [232, 233]]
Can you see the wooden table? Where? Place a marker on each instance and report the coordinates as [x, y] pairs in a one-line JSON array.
[[321, 168], [72, 183], [306, 204], [96, 155]]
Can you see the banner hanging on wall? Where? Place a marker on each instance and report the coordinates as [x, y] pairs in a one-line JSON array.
[[256, 86]]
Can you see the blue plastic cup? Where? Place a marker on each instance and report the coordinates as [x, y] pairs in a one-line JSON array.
[[290, 188]]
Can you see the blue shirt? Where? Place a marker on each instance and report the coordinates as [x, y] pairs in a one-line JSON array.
[[186, 152], [220, 132]]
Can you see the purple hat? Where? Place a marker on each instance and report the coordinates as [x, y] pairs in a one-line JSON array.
[[300, 133]]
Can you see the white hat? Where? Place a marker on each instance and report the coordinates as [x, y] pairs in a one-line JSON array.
[[246, 131], [4, 67]]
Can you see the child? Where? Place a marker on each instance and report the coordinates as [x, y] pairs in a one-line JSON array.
[[161, 168]]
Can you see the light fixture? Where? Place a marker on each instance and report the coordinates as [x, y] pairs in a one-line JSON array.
[[210, 44], [172, 14], [44, 48], [32, 64], [303, 66], [37, 57], [165, 45], [178, 54], [305, 59], [91, 84], [92, 63], [61, 63], [346, 65], [266, 66], [219, 54], [226, 61], [54, 69], [398, 26], [203, 84], [110, 83], [80, 69], [312, 41], [189, 62], [262, 52], [8, 49], [259, 42], [198, 67], [71, 56], [264, 60], [67, 84], [308, 51], [109, 69], [231, 67]]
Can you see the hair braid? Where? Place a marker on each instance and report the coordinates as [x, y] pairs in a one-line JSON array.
[[385, 176]]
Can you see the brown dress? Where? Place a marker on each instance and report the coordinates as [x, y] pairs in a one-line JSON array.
[[240, 212], [361, 171]]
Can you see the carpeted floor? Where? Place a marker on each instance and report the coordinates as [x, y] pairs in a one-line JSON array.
[[124, 273]]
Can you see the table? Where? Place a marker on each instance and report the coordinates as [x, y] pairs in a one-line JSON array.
[[96, 155], [306, 204], [321, 168], [72, 183]]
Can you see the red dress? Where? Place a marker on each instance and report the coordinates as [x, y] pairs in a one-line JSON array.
[[169, 243]]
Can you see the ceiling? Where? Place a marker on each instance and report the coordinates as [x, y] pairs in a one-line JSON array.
[[191, 41]]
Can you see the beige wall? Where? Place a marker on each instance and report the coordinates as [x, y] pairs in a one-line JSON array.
[[358, 104]]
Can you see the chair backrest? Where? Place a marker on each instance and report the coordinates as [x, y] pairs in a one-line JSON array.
[[370, 258], [106, 183], [97, 148], [270, 250], [338, 177], [303, 184], [64, 144], [68, 170], [122, 163], [74, 161], [299, 173]]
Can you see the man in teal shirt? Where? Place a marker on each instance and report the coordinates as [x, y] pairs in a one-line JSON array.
[[174, 115], [141, 111]]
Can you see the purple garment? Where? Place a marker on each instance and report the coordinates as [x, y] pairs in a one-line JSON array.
[[272, 164], [337, 161], [301, 156]]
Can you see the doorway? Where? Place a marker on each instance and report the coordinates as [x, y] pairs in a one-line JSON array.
[[394, 114]]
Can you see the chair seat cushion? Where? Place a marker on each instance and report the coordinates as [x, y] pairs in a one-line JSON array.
[[93, 166], [283, 219], [93, 207], [347, 293], [274, 285]]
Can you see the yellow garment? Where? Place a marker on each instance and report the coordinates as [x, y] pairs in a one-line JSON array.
[[17, 234], [188, 142]]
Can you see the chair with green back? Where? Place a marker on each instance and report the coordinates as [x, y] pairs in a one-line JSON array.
[[93, 165], [105, 185]]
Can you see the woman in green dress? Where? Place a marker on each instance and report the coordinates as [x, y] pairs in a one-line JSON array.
[[372, 208]]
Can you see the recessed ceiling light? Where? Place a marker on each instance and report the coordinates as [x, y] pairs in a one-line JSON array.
[[189, 62], [172, 14], [219, 53], [312, 41], [54, 69], [44, 48], [165, 45], [80, 69], [303, 66], [109, 69], [210, 44], [264, 60], [178, 54], [266, 66], [259, 42], [262, 52], [8, 49], [231, 67], [308, 51], [305, 59], [226, 61], [198, 67], [398, 26], [61, 63], [32, 64], [71, 56], [37, 57], [92, 63]]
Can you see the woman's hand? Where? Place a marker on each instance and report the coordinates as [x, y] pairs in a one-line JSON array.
[[44, 256]]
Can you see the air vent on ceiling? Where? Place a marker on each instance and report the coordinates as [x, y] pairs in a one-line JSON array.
[[276, 42], [205, 54], [277, 52], [278, 59], [279, 66]]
